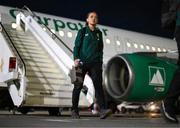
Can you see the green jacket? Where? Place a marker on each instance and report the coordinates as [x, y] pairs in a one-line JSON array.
[[88, 45]]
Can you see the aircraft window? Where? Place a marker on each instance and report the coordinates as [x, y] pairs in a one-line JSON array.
[[164, 50], [169, 50], [142, 46], [159, 50], [108, 41], [128, 44], [153, 48], [14, 25], [118, 42], [147, 47], [69, 34], [61, 33], [135, 45], [44, 29], [52, 30]]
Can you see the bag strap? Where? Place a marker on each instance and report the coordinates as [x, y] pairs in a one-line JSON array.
[[83, 34]]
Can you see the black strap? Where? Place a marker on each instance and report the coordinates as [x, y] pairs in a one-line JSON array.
[[82, 38]]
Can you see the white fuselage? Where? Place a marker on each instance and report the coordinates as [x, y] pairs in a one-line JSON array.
[[116, 40]]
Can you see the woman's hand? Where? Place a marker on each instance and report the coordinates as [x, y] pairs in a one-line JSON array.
[[76, 62]]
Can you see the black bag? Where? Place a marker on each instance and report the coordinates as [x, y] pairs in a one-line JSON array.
[[76, 75]]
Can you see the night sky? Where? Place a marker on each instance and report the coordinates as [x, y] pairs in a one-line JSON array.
[[136, 15]]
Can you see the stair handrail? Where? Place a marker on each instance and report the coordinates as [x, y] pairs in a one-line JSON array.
[[33, 14], [17, 53]]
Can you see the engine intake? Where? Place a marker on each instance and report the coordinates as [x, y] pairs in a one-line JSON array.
[[137, 77]]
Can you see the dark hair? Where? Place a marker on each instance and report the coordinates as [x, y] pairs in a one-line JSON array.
[[86, 24]]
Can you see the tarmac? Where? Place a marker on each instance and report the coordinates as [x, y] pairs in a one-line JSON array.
[[39, 119]]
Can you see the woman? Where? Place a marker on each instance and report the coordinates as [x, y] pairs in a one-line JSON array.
[[88, 52], [169, 104]]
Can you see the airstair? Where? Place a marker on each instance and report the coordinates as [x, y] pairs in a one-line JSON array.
[[40, 75]]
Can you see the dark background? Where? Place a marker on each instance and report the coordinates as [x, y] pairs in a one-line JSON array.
[[137, 15]]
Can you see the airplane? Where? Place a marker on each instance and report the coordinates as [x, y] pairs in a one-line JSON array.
[[36, 56]]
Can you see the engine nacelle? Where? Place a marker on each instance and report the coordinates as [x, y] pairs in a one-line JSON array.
[[138, 77]]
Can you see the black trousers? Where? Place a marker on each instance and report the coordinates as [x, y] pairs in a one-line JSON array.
[[95, 72], [174, 90]]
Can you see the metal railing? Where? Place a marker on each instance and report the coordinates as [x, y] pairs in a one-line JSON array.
[[20, 60], [47, 28]]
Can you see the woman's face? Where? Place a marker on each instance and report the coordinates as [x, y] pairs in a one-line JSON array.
[[92, 19]]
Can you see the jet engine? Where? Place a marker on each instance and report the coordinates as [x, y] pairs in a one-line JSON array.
[[138, 77]]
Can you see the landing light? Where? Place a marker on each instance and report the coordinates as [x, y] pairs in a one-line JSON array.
[[152, 107]]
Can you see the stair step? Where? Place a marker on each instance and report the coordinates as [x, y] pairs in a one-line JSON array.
[[39, 64], [27, 42], [28, 48], [37, 60], [31, 51], [43, 74], [51, 93], [17, 33], [22, 37], [42, 101], [45, 80], [42, 56], [60, 87], [42, 69]]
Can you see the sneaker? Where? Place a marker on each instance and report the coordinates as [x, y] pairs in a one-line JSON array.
[[95, 110], [75, 115], [167, 114], [105, 113]]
